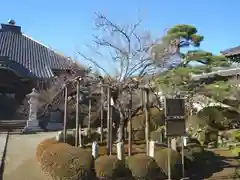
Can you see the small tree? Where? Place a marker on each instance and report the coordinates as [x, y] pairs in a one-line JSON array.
[[128, 51]]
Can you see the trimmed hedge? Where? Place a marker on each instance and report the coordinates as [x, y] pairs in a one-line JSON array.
[[109, 167], [63, 162], [138, 123], [144, 167], [43, 145], [157, 136], [208, 135], [161, 157]]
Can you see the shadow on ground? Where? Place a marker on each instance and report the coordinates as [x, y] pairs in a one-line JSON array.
[[213, 163]]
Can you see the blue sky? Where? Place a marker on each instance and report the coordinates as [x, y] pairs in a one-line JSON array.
[[68, 25]]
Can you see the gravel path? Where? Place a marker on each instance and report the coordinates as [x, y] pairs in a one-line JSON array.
[[20, 148]]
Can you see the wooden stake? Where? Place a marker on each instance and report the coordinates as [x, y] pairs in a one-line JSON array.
[[146, 107], [130, 126], [65, 114], [89, 114], [101, 118], [108, 119], [77, 116]]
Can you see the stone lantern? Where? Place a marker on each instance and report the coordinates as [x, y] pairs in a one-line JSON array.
[[32, 122]]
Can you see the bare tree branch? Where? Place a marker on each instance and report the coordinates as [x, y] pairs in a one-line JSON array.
[[130, 52]]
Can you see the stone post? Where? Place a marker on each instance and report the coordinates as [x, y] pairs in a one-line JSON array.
[[151, 148], [185, 138], [95, 149], [174, 144], [120, 150]]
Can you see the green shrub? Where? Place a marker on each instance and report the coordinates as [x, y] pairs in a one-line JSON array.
[[161, 157], [212, 116], [209, 135], [193, 141], [236, 151], [43, 145], [236, 135], [144, 167], [62, 161], [156, 120], [139, 135], [109, 167], [157, 136], [195, 121]]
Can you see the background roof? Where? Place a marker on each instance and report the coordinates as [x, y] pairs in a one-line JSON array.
[[36, 57]]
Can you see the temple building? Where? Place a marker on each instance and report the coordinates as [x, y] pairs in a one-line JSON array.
[[24, 64], [233, 54]]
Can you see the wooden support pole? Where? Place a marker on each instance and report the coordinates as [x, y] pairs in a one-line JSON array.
[[102, 110], [111, 125], [89, 114], [77, 116], [108, 119], [65, 114], [130, 125], [146, 108]]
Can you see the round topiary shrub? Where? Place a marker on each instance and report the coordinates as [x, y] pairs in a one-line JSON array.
[[43, 145], [161, 157], [109, 167], [144, 167], [62, 161]]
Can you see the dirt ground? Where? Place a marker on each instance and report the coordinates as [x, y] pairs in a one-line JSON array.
[[21, 155]]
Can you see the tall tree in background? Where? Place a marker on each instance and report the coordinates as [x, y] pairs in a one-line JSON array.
[[177, 37]]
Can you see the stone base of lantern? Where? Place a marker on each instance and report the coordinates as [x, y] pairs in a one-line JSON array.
[[32, 126]]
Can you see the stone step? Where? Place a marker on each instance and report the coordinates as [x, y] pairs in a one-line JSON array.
[[12, 125]]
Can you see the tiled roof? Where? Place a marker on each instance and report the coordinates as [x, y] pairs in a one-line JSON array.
[[34, 56], [231, 51], [221, 72]]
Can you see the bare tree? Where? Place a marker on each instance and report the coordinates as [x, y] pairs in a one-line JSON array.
[[128, 50]]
